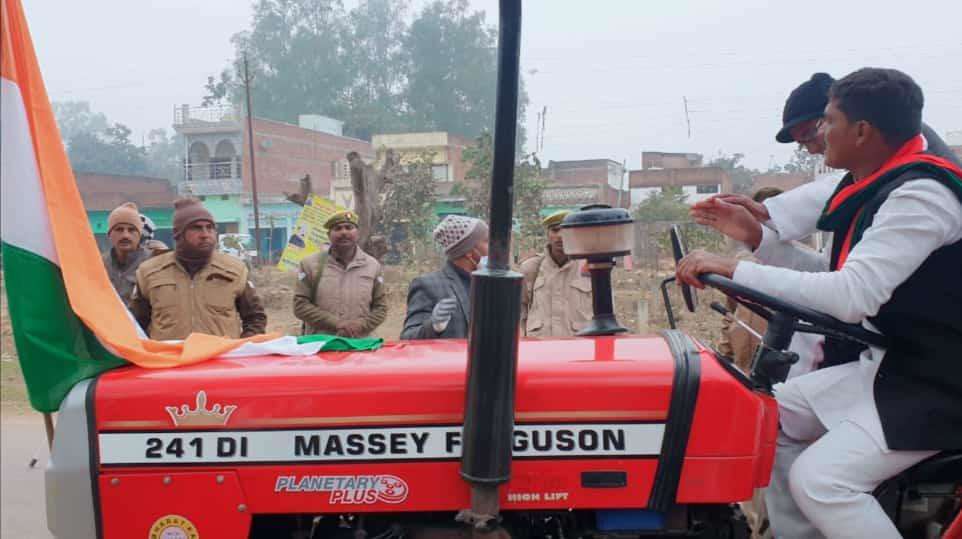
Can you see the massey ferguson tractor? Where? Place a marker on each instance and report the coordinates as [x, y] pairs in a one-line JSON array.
[[601, 435]]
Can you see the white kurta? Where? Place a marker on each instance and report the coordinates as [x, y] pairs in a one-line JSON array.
[[916, 219]]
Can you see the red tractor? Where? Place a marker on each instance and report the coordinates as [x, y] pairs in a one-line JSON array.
[[597, 436]]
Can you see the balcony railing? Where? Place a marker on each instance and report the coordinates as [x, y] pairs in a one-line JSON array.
[[215, 169], [232, 186], [206, 116]]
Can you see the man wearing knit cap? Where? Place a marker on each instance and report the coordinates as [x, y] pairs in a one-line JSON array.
[[195, 289], [557, 295], [124, 229], [340, 291], [438, 302]]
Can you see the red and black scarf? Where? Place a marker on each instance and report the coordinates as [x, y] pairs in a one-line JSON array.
[[843, 212]]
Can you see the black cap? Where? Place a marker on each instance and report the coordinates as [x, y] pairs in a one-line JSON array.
[[805, 103]]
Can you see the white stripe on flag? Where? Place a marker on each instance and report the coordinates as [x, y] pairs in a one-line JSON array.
[[284, 346], [23, 220]]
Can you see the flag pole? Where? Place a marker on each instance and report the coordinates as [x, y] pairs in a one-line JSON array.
[[48, 426]]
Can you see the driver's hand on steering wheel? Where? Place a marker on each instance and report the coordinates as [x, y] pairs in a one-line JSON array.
[[697, 262], [736, 216]]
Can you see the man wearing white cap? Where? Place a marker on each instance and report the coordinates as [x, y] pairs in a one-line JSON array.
[[438, 305]]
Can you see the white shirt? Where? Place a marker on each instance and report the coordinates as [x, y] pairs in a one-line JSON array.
[[917, 218]]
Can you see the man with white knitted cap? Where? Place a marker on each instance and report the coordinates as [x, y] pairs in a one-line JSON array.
[[438, 303]]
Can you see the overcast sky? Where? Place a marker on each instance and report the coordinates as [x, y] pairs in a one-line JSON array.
[[612, 73]]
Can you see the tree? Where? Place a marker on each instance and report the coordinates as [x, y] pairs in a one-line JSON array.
[[452, 70], [75, 117], [95, 145], [109, 152], [368, 67], [803, 162], [408, 210], [297, 59], [528, 188], [741, 175], [373, 99], [165, 155], [668, 204]]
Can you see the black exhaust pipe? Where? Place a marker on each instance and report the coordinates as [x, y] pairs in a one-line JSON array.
[[495, 307]]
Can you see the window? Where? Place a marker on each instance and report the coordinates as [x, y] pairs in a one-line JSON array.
[[706, 189], [225, 197], [439, 173]]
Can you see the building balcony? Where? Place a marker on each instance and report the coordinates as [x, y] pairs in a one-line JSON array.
[[215, 118], [215, 169], [231, 186]]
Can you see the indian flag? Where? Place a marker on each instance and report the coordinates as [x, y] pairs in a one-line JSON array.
[[68, 322]]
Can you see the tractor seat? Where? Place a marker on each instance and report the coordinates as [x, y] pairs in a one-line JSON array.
[[937, 468]]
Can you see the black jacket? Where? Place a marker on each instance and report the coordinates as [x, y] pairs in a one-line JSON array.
[[424, 293], [918, 388]]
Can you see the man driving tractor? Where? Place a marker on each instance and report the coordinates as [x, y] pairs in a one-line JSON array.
[[896, 255]]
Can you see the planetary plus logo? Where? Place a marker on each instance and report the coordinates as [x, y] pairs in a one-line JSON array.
[[347, 489]]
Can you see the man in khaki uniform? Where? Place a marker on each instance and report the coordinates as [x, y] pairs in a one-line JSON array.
[[194, 289], [125, 231], [341, 291], [557, 295]]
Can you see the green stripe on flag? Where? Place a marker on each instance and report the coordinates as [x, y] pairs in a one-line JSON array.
[[333, 343], [55, 349]]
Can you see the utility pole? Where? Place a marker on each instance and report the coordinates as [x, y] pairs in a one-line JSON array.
[[250, 141], [544, 114], [687, 118], [621, 183]]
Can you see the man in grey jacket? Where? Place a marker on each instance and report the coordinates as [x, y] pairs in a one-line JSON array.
[[438, 302]]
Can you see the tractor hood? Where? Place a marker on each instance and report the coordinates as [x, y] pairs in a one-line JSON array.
[[604, 422], [403, 383]]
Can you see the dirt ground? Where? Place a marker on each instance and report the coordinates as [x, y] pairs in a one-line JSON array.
[[638, 305]]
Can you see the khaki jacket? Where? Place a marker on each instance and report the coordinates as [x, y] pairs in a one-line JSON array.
[[219, 300], [338, 293], [124, 277], [556, 300]]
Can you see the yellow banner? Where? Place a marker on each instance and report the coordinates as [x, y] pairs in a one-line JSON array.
[[309, 236]]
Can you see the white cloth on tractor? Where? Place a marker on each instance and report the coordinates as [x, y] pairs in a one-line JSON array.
[[916, 219]]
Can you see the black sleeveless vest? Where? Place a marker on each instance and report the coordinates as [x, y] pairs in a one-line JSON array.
[[918, 388]]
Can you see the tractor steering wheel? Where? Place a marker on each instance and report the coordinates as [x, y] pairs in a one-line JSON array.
[[766, 305]]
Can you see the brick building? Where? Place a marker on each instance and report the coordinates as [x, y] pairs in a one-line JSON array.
[[655, 160], [101, 193], [783, 180], [572, 184], [697, 183], [217, 166], [677, 169]]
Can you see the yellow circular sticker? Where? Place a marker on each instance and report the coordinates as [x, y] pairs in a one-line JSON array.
[[173, 527]]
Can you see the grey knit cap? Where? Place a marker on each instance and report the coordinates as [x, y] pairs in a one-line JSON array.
[[457, 235]]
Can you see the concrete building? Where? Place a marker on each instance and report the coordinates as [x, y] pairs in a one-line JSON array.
[[217, 166], [572, 184], [782, 180], [447, 165], [101, 193], [656, 160], [677, 169]]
